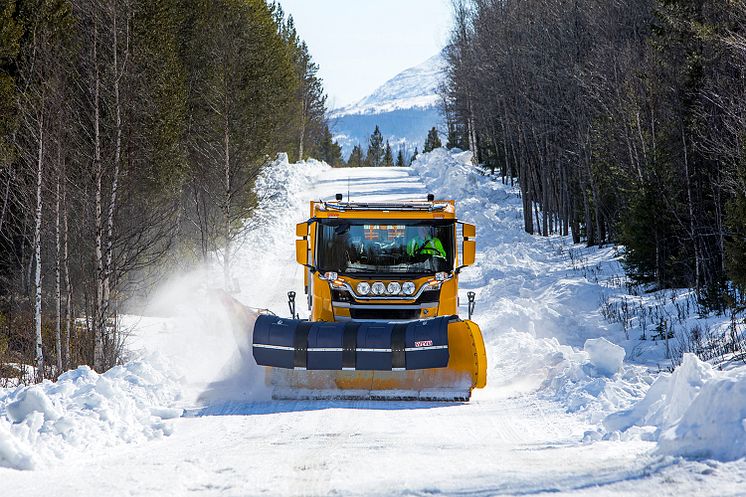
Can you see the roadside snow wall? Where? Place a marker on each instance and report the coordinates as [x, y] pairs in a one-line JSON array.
[[86, 411], [544, 331], [539, 316], [696, 412], [82, 409]]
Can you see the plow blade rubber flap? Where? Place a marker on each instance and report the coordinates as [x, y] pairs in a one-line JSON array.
[[375, 346]]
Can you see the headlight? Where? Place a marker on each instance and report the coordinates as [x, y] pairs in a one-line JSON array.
[[408, 288], [378, 288], [442, 276], [394, 288], [363, 288], [330, 276]]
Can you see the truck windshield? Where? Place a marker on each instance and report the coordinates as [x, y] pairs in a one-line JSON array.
[[398, 248]]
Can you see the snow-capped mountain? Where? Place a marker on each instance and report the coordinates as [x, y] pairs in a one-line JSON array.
[[405, 108], [416, 87]]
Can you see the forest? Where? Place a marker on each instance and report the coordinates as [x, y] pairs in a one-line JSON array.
[[622, 122], [380, 152], [131, 133]]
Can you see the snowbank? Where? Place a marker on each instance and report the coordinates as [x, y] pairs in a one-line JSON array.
[[83, 409], [605, 356], [195, 355], [544, 329], [206, 336], [714, 424], [696, 412], [539, 315], [282, 188]]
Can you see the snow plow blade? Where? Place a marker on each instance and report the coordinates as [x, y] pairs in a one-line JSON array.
[[439, 359]]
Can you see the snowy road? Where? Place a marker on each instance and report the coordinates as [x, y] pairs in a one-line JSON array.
[[515, 446], [509, 440]]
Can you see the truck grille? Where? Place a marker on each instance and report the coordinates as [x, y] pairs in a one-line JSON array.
[[385, 314]]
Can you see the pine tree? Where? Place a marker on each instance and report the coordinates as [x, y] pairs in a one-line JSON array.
[[388, 156], [736, 244], [400, 158], [414, 156], [453, 138], [10, 35], [312, 119], [375, 149], [329, 150], [433, 141], [356, 157]]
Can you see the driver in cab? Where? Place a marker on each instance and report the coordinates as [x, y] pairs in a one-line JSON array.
[[424, 243]]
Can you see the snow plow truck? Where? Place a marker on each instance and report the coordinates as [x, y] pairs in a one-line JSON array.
[[381, 281]]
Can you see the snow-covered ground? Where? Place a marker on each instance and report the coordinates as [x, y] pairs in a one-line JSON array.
[[565, 412]]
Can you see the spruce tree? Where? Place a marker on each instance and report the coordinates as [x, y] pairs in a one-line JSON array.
[[414, 155], [736, 244], [433, 140], [388, 156], [310, 93], [356, 157], [329, 150], [452, 139], [400, 158], [10, 36], [375, 149]]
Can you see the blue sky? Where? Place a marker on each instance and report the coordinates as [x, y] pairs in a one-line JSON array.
[[360, 44]]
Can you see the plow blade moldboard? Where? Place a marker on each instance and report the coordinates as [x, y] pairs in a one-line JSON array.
[[368, 346], [321, 360]]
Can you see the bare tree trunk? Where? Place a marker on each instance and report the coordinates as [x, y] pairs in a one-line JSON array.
[[472, 132], [57, 268], [301, 142], [68, 287], [118, 72], [37, 250], [227, 207], [5, 201], [692, 221], [99, 322]]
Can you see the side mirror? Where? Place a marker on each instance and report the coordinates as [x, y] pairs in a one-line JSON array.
[[469, 252], [301, 246], [469, 246], [301, 252]]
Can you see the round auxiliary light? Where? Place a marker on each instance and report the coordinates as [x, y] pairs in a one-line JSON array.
[[394, 288], [378, 288], [363, 288], [408, 288], [331, 276], [441, 276]]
